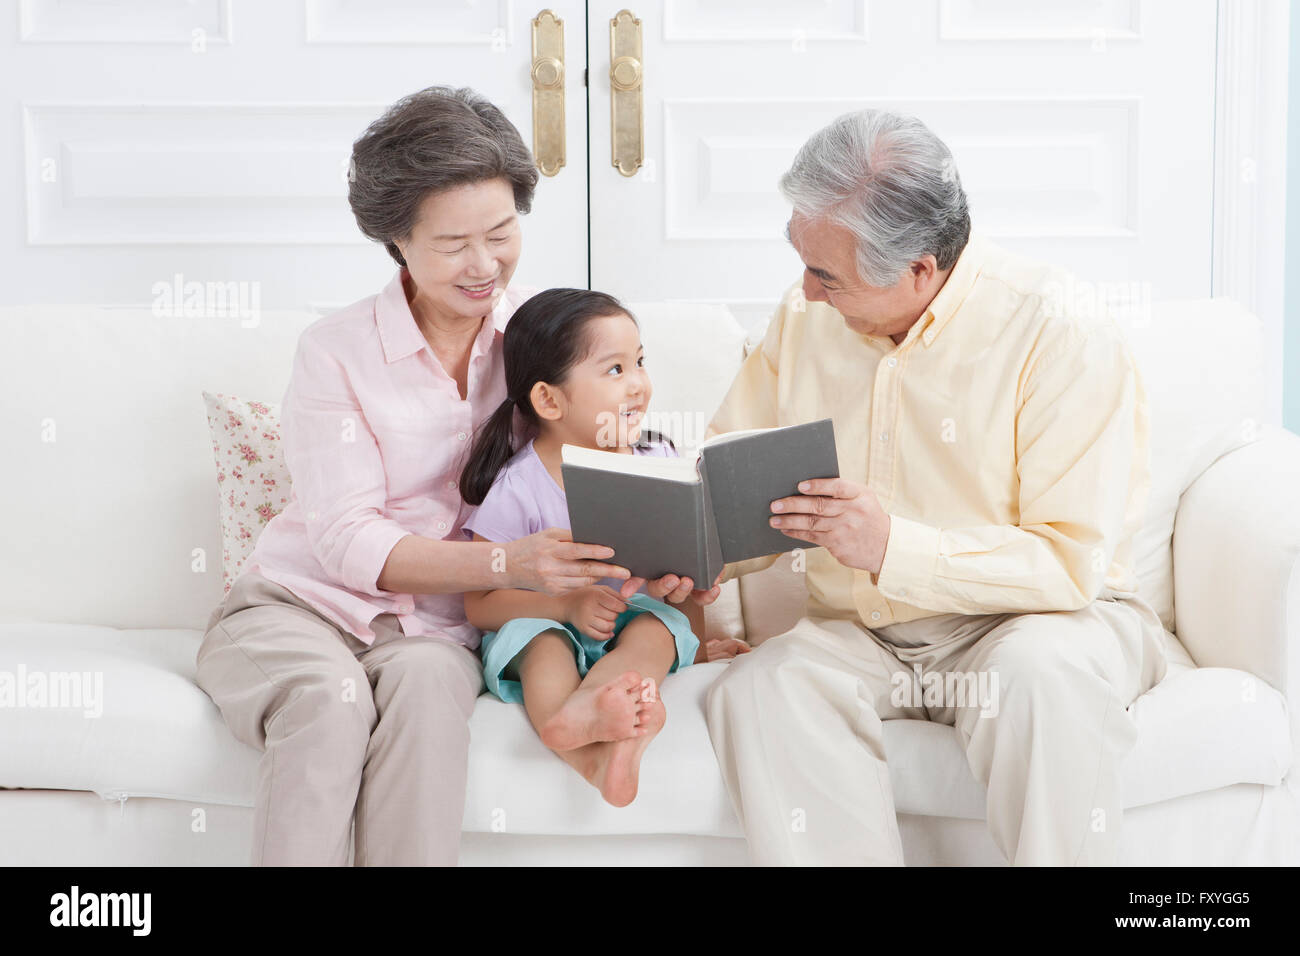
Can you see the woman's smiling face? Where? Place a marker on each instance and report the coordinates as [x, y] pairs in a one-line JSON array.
[[463, 250]]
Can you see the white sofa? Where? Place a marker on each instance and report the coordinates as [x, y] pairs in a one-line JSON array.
[[111, 563]]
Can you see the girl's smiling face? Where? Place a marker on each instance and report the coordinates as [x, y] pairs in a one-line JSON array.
[[604, 397]]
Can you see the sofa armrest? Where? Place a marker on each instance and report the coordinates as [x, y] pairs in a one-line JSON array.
[[1237, 564]]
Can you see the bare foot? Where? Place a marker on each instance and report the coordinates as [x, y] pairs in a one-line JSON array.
[[607, 712], [617, 766]]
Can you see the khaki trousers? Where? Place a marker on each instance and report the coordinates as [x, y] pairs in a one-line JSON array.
[[1038, 702], [380, 729]]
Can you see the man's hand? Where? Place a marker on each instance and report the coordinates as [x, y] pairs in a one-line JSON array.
[[673, 589], [841, 516]]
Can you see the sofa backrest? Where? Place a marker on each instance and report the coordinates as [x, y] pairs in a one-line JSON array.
[[111, 491], [1202, 361], [108, 475], [109, 463]]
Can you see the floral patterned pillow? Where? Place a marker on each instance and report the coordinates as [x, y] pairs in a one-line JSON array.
[[251, 474]]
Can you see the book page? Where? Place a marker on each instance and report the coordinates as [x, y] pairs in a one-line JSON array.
[[670, 469], [741, 433]]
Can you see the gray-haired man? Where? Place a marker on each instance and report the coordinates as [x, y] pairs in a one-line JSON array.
[[974, 564]]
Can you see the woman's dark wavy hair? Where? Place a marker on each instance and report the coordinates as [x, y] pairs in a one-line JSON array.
[[546, 337]]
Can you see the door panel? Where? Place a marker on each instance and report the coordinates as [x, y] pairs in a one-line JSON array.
[[1082, 131], [210, 139]]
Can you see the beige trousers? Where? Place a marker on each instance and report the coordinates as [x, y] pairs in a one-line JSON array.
[[1039, 703], [380, 729]]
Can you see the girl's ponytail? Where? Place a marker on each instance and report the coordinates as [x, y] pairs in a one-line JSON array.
[[493, 447]]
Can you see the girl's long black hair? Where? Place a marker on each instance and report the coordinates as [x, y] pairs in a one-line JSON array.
[[544, 339]]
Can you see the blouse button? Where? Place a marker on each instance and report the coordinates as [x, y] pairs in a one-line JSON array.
[[442, 526], [404, 608], [461, 435], [451, 484]]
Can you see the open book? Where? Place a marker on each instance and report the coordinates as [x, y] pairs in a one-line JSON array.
[[691, 516]]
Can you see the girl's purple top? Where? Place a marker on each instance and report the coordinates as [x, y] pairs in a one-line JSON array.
[[524, 499]]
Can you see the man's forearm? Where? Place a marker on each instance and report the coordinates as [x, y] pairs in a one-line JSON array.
[[419, 565]]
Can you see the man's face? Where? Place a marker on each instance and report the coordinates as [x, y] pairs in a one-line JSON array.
[[829, 255]]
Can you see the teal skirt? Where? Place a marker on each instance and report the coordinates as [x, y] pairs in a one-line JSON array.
[[499, 647]]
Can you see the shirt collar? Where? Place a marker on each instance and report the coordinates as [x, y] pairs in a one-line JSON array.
[[955, 289], [399, 333]]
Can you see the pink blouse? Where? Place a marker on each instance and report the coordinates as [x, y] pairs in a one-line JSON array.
[[375, 435]]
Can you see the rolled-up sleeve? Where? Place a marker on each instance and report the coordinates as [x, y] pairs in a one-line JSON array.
[[751, 402], [1078, 430], [337, 471]]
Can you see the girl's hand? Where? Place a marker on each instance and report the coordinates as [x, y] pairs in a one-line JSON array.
[[550, 561], [725, 649], [673, 589], [593, 610]]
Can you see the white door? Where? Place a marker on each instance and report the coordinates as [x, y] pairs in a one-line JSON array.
[[1083, 132], [210, 139]]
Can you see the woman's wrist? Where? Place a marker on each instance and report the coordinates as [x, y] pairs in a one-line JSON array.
[[511, 573]]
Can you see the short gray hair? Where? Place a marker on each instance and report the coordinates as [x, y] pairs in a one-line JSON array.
[[436, 139], [891, 182]]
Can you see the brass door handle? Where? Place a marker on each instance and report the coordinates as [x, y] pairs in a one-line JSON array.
[[626, 123], [548, 92]]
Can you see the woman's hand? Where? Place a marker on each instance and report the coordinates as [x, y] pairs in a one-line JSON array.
[[550, 561], [673, 589], [593, 610]]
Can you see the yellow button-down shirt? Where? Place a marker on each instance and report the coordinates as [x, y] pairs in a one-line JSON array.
[[1007, 438]]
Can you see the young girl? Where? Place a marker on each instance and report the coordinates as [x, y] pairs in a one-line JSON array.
[[585, 664]]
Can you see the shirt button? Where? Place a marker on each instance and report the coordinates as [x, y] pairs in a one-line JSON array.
[[875, 615], [891, 361], [461, 435], [884, 436], [442, 526]]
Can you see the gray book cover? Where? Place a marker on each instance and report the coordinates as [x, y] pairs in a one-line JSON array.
[[659, 525]]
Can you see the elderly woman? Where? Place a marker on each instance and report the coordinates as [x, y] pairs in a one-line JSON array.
[[343, 651]]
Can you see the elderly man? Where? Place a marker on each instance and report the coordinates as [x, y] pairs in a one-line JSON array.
[[993, 454]]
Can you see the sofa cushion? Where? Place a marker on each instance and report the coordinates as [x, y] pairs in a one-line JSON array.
[[159, 735], [689, 382], [251, 475]]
